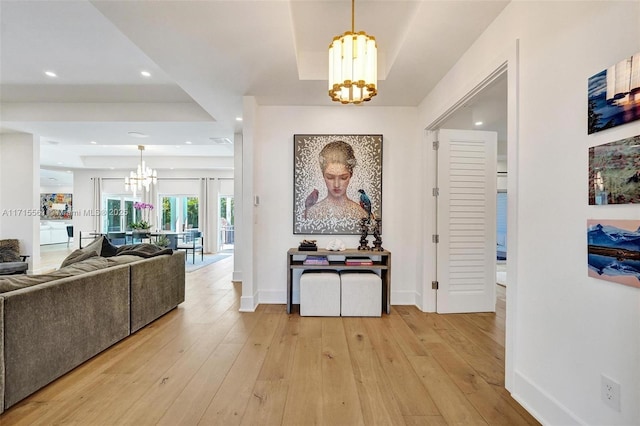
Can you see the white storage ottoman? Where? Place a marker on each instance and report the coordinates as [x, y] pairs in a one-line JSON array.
[[361, 294], [320, 294]]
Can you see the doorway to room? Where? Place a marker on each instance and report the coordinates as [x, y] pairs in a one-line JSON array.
[[227, 223], [509, 70], [486, 110]]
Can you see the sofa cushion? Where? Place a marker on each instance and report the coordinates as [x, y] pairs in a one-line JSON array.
[[77, 256], [15, 282], [85, 252], [143, 250], [95, 245], [93, 263], [122, 259]]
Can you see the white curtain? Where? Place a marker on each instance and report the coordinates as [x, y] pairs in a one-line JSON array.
[[204, 215], [151, 197], [97, 201]]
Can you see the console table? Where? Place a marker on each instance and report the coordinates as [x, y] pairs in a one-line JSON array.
[[382, 264]]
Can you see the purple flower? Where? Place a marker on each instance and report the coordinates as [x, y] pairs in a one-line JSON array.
[[141, 206]]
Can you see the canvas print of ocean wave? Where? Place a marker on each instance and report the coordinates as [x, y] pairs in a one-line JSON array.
[[614, 250]]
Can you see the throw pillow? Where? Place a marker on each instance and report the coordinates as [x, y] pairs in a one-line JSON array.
[[108, 249], [12, 243], [77, 256], [8, 254], [95, 245]]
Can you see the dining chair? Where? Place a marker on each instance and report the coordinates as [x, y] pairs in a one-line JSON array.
[[191, 241], [117, 238], [69, 234]]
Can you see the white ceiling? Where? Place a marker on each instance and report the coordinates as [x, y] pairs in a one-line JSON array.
[[487, 110], [203, 56]]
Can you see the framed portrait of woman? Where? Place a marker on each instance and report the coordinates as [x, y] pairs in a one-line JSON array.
[[337, 181]]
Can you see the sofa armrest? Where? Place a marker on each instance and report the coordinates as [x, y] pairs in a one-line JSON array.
[[157, 286]]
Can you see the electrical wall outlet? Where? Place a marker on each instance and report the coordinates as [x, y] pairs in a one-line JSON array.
[[610, 392]]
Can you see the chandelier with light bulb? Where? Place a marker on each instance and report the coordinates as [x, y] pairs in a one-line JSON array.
[[143, 177], [353, 66]]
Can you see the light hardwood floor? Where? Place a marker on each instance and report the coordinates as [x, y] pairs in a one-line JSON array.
[[206, 363]]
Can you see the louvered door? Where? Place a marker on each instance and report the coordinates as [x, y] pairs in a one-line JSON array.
[[466, 263]]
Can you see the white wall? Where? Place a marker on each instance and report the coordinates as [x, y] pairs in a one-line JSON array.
[[57, 189], [19, 185], [273, 183], [568, 328]]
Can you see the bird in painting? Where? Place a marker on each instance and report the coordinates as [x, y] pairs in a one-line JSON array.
[[365, 203], [311, 200], [635, 178]]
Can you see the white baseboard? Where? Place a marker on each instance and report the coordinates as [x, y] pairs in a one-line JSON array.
[[273, 297], [548, 410], [403, 298], [248, 304]]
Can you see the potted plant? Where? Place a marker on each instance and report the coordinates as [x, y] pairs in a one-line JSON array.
[[144, 209], [162, 241], [142, 225]]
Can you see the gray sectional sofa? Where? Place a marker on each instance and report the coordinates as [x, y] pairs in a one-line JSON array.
[[50, 324]]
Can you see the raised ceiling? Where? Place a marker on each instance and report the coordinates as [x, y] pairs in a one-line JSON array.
[[203, 57]]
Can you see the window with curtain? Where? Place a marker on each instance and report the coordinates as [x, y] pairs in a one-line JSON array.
[[179, 212], [119, 214]]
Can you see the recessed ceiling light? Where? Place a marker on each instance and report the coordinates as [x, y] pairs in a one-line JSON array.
[[478, 123], [238, 118], [188, 142], [138, 135], [94, 143], [50, 74], [68, 171], [145, 73]]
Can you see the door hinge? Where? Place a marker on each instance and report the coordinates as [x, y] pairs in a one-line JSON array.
[[436, 145], [434, 285], [435, 192], [435, 238]]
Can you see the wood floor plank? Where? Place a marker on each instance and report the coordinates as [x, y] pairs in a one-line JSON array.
[[490, 368], [206, 363], [270, 392], [152, 405], [191, 403], [304, 398], [406, 338], [412, 396], [454, 407], [493, 408], [340, 402], [425, 421], [231, 400], [379, 405], [266, 407]]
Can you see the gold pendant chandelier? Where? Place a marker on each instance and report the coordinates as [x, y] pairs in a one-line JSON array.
[[353, 63], [143, 177]]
